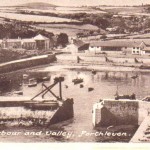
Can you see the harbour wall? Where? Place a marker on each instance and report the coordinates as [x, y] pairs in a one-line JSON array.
[[101, 59], [26, 63], [120, 112]]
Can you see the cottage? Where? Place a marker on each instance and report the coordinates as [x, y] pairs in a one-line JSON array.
[[29, 44], [77, 46]]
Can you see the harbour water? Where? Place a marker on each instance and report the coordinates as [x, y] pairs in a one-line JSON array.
[[80, 128]]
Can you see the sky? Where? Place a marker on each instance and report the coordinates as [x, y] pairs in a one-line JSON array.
[[76, 2]]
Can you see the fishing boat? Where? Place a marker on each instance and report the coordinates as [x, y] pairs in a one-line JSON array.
[[32, 82], [130, 97], [93, 71], [134, 77], [90, 89], [18, 92], [42, 79], [81, 85], [77, 80], [25, 76]]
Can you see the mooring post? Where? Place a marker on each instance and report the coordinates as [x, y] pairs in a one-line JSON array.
[[60, 90]]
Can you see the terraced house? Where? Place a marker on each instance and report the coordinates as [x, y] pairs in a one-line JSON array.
[[134, 47], [38, 42]]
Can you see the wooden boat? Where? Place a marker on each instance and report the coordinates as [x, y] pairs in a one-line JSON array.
[[32, 82], [18, 92], [90, 89], [77, 80], [134, 77], [131, 97], [81, 86], [43, 79], [93, 71], [25, 76]]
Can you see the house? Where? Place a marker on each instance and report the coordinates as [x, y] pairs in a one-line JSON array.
[[77, 46], [118, 46], [11, 43]]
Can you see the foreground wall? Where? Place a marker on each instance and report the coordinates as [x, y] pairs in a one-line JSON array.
[[26, 63]]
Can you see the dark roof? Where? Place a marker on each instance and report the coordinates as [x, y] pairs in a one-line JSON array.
[[79, 43]]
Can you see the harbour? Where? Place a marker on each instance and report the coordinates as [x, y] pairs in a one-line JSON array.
[[83, 101]]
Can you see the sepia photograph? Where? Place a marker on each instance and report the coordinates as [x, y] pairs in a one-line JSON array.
[[75, 71]]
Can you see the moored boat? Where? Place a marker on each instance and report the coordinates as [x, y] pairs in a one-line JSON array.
[[42, 79], [32, 82], [18, 92], [77, 80]]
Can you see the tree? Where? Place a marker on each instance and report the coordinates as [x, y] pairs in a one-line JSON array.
[[62, 39]]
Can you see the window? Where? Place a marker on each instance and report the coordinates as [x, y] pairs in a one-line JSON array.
[[91, 46], [133, 47], [97, 46], [133, 51]]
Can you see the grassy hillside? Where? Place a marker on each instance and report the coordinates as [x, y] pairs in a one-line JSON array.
[[37, 5]]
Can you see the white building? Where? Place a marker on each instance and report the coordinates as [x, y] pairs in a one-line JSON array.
[[118, 46]]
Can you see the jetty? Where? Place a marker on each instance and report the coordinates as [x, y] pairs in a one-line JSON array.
[[38, 110]]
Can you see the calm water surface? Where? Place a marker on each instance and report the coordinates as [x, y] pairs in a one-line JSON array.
[[105, 85]]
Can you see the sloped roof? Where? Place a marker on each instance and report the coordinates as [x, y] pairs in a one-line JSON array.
[[116, 44], [79, 43], [40, 37], [13, 40], [146, 48]]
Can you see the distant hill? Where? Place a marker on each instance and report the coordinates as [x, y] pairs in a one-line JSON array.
[[37, 5]]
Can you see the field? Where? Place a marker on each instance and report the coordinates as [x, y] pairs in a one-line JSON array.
[[121, 10], [65, 10], [71, 30], [146, 35], [34, 18]]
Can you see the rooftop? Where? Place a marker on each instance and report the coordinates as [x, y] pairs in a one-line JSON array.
[[119, 43], [79, 43], [40, 37], [28, 40]]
